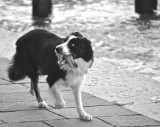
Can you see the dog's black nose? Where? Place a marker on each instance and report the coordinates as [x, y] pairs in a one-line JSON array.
[[58, 49]]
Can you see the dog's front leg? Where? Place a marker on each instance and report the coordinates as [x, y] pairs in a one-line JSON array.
[[78, 98]]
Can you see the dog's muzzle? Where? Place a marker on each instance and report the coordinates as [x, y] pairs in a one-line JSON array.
[[58, 49], [65, 59]]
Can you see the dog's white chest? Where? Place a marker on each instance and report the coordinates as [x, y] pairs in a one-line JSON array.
[[75, 76], [72, 79]]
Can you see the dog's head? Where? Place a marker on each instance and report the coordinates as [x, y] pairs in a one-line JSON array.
[[76, 46]]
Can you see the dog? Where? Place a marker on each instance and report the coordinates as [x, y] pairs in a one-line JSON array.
[[65, 61]]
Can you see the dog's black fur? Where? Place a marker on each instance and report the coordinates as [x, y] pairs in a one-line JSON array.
[[36, 51]]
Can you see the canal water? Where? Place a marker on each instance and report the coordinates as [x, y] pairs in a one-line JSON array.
[[119, 35]]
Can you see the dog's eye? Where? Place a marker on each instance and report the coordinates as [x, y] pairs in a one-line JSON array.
[[72, 45]]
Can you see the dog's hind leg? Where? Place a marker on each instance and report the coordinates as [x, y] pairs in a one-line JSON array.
[[34, 88]]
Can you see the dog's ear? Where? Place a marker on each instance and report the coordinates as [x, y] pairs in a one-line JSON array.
[[87, 41], [77, 34]]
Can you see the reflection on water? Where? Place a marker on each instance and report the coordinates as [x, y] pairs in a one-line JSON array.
[[119, 35]]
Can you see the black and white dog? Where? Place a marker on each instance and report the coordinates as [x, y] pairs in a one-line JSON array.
[[65, 61]]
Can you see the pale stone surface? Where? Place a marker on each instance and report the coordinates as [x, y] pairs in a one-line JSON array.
[[28, 124], [16, 97], [116, 85], [7, 45], [148, 109], [13, 88], [4, 82], [87, 101], [96, 111], [3, 67], [77, 123], [130, 121], [19, 106], [31, 115], [1, 122]]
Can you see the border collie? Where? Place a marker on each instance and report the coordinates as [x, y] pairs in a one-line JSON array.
[[65, 61]]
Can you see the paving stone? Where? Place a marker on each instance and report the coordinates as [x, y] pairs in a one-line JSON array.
[[130, 121], [151, 110], [3, 75], [19, 106], [88, 102], [7, 44], [32, 115], [115, 84], [88, 99], [1, 122], [153, 126], [13, 88], [77, 123], [28, 124], [16, 97], [21, 101], [3, 67], [95, 111], [2, 82], [95, 101]]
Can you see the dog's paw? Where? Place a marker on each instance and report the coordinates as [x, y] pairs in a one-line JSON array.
[[86, 117], [42, 104], [60, 105]]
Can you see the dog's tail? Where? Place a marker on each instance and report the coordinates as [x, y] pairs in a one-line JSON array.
[[15, 71]]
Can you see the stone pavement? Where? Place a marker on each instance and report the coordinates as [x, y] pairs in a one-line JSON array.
[[131, 90], [19, 109]]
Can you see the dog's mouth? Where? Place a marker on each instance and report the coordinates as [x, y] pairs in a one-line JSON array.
[[67, 59]]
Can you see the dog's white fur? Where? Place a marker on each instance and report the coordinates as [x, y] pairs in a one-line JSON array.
[[74, 79]]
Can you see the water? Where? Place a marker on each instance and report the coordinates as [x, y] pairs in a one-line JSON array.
[[118, 34]]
